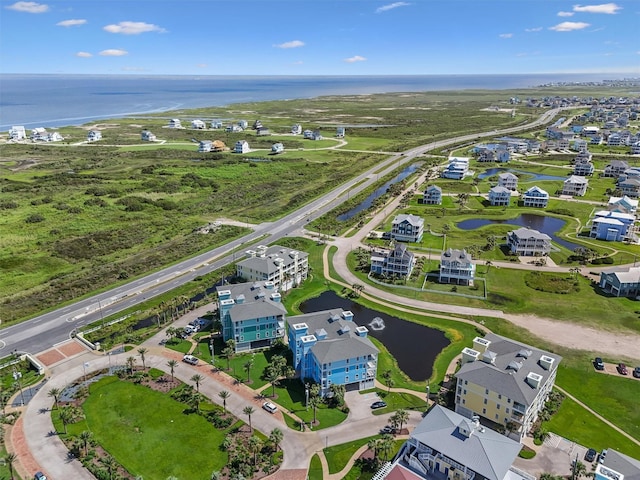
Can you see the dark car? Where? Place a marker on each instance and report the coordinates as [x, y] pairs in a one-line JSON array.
[[622, 369], [598, 363], [379, 404], [40, 476], [388, 429], [590, 456], [636, 372]]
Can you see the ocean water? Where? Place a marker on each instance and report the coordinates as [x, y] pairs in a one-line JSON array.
[[58, 100]]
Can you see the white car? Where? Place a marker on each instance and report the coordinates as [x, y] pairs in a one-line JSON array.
[[270, 407], [190, 359]]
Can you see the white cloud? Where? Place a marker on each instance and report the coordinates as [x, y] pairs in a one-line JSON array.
[[535, 29], [291, 44], [133, 28], [28, 7], [391, 6], [113, 52], [608, 8], [298, 62], [84, 55], [355, 58], [569, 26], [202, 65], [565, 14], [506, 35], [71, 23]]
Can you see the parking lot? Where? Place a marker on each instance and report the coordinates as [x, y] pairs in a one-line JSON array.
[[612, 369]]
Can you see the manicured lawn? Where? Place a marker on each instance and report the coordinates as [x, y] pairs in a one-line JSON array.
[[399, 400], [291, 396], [136, 425], [338, 455], [315, 468]]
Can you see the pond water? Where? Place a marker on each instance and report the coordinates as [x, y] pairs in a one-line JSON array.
[[542, 223], [414, 346], [533, 176], [367, 202]]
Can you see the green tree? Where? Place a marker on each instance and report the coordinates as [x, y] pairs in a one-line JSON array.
[[314, 402], [373, 444], [131, 361], [9, 460], [273, 377], [66, 417], [275, 437], [248, 411], [255, 445], [248, 365], [55, 393], [197, 379], [172, 364], [224, 395], [194, 401], [142, 352], [110, 464], [402, 417], [386, 446], [85, 438]]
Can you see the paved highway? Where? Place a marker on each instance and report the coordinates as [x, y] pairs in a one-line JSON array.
[[44, 331]]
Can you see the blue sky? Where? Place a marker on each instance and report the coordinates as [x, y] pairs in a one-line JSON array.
[[324, 37]]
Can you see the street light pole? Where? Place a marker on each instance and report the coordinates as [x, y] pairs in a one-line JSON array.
[[428, 391], [306, 395]]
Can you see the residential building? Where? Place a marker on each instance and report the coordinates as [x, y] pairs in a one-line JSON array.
[[94, 135], [499, 196], [575, 186], [17, 132], [535, 197], [457, 169], [398, 262], [257, 125], [508, 180], [617, 466], [241, 147], [432, 195], [526, 242], [39, 134], [277, 148], [615, 168], [621, 283], [251, 314], [296, 129], [612, 226], [340, 131], [329, 348], [630, 187], [456, 266], [243, 124], [175, 123], [312, 135], [216, 124], [263, 132], [448, 446], [583, 168], [623, 205], [505, 382], [234, 128], [407, 228], [635, 148], [283, 267], [147, 136], [198, 124]]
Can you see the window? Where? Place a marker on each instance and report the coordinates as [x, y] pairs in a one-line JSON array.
[[486, 391], [497, 417], [257, 335], [499, 397], [485, 401], [465, 391], [484, 411], [464, 401], [506, 410], [465, 382], [498, 407]]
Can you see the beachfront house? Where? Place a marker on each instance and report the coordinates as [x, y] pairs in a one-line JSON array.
[[216, 124], [397, 262], [508, 180], [251, 314], [296, 129], [623, 205], [198, 124], [535, 197], [277, 147], [432, 195], [175, 123], [505, 382], [612, 226], [17, 132], [312, 135], [283, 267], [456, 169], [94, 135], [616, 465], [448, 446], [499, 196], [583, 168], [340, 131], [329, 348], [147, 136], [242, 146], [205, 146], [456, 266], [630, 187], [526, 242], [407, 228], [575, 186], [233, 128], [615, 168], [621, 283]]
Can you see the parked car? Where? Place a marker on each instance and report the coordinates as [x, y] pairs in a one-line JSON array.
[[388, 429], [270, 407], [598, 363], [636, 372], [622, 369], [379, 404], [40, 476], [190, 359], [602, 456], [590, 456]]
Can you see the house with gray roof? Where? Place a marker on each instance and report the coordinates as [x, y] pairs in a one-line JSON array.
[[527, 242], [251, 314], [457, 267], [448, 446], [575, 186], [617, 466], [284, 267], [329, 348], [499, 196], [505, 382], [407, 228], [535, 197], [398, 262], [508, 180], [432, 195], [621, 283]]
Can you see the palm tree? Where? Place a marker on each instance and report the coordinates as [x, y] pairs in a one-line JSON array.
[[373, 445], [403, 417], [314, 402], [275, 437], [248, 411], [197, 378], [110, 464], [9, 459], [273, 377], [386, 446], [579, 470], [55, 393], [247, 368], [142, 351], [66, 417], [216, 475], [255, 445], [131, 361], [224, 395], [172, 364], [4, 398], [194, 401], [85, 438]]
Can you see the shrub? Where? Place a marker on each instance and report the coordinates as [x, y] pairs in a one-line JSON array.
[[35, 218]]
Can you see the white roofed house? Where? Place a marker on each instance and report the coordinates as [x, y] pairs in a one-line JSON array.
[[312, 135], [575, 186], [407, 228], [613, 226], [94, 135], [456, 266], [198, 124], [175, 123], [499, 196], [147, 136], [17, 132], [535, 197], [621, 283], [526, 242], [205, 146], [277, 148], [398, 262], [296, 129], [241, 147], [283, 267], [340, 131], [505, 381], [39, 134], [457, 168], [623, 205], [243, 124], [508, 180], [432, 195]]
